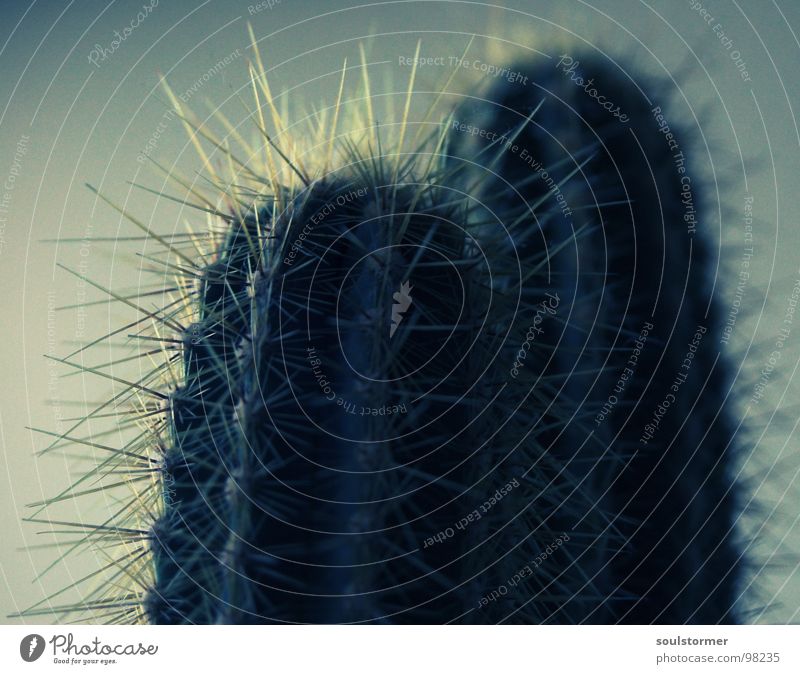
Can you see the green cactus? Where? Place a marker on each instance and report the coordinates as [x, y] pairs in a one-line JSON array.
[[394, 383]]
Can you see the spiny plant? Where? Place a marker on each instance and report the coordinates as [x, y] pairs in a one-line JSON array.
[[381, 380]]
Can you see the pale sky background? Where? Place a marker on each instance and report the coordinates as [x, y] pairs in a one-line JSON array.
[[87, 123]]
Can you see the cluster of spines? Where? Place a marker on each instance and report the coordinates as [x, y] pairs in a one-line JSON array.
[[237, 537], [302, 524]]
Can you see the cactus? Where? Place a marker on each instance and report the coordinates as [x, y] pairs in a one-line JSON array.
[[659, 400], [394, 383]]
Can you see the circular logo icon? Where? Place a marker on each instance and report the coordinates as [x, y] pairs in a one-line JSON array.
[[31, 647]]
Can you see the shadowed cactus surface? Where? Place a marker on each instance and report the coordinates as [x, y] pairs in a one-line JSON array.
[[657, 392]]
